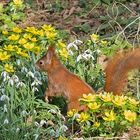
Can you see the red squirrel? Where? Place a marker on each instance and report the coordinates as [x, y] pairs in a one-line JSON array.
[[63, 82]]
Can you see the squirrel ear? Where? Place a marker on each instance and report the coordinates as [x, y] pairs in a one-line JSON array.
[[50, 53]]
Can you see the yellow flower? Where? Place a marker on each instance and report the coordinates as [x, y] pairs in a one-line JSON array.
[[17, 2], [109, 116], [28, 46], [10, 48], [63, 53], [37, 50], [106, 97], [40, 32], [22, 41], [22, 53], [5, 32], [133, 102], [17, 30], [103, 42], [32, 30], [33, 39], [8, 68], [62, 138], [96, 124], [60, 44], [130, 116], [83, 117], [48, 28], [13, 37], [4, 56], [119, 100], [71, 113], [51, 35], [88, 98], [27, 36], [94, 106], [94, 37]]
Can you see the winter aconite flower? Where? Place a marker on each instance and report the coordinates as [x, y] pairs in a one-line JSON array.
[[109, 116], [14, 37], [119, 100], [5, 32], [22, 53], [106, 97], [10, 48], [133, 102], [96, 124], [4, 56], [63, 52], [104, 42], [17, 2], [22, 41], [93, 106], [94, 37], [88, 98], [17, 30], [130, 116], [28, 46], [71, 113], [83, 117], [8, 68]]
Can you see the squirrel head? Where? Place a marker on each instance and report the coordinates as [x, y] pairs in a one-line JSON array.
[[45, 63]]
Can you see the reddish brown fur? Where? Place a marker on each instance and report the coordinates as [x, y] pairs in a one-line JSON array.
[[118, 68], [61, 81]]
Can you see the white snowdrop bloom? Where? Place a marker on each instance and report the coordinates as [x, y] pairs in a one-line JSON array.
[[5, 76], [36, 136], [52, 111], [17, 130], [64, 128], [6, 121], [24, 113], [98, 51], [4, 98], [78, 41], [11, 82], [36, 82], [15, 78], [70, 45], [30, 74], [5, 108], [79, 57], [42, 122], [18, 62], [34, 89], [24, 69], [20, 84], [36, 124]]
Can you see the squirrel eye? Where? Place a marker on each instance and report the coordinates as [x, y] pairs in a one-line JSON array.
[[40, 62]]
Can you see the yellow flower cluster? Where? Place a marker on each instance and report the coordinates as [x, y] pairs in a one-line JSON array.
[[130, 116], [8, 68], [109, 116], [17, 2], [4, 56], [83, 117], [71, 112]]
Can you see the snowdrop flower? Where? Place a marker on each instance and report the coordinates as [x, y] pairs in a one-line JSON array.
[[24, 69], [6, 121], [36, 82], [4, 98], [86, 55], [24, 113], [52, 111], [5, 108], [36, 136], [42, 122], [36, 124], [17, 130], [5, 76], [15, 78], [11, 82], [30, 74], [20, 84], [64, 128], [34, 89], [18, 62]]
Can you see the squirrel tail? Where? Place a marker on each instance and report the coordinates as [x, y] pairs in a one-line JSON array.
[[118, 68]]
